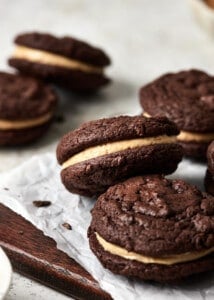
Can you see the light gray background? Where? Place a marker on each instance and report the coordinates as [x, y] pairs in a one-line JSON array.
[[144, 38]]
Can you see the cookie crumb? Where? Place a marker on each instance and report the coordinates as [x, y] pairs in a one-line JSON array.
[[67, 226], [6, 189], [40, 203]]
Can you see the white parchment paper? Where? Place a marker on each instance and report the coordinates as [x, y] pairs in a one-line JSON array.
[[38, 179]]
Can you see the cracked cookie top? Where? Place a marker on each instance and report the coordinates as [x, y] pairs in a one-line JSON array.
[[155, 216], [186, 97]]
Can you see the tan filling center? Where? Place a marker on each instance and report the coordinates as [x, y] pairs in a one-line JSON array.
[[44, 57], [167, 260], [186, 136], [7, 125], [110, 148]]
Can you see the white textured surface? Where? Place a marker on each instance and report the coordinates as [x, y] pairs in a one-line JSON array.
[[144, 38]]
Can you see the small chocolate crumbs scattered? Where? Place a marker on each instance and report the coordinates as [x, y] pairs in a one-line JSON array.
[[67, 226], [40, 203], [59, 119], [6, 189], [21, 232]]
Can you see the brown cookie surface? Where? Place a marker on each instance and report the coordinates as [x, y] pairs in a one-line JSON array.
[[94, 176], [209, 182], [209, 177], [68, 78], [150, 272], [66, 61], [65, 46], [195, 150], [23, 136], [210, 158], [114, 129], [103, 152], [23, 97], [187, 98], [156, 218], [26, 109]]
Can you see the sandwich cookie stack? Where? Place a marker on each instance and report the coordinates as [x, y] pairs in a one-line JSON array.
[[154, 229], [104, 152], [187, 98], [65, 61], [26, 109]]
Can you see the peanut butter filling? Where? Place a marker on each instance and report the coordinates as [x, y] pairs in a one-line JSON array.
[[166, 260], [47, 58], [114, 147], [186, 136], [8, 125]]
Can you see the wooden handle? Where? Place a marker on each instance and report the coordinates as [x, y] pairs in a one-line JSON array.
[[36, 256]]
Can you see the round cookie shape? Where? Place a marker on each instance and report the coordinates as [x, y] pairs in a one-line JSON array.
[[187, 98], [23, 97], [153, 228], [65, 61], [26, 109], [103, 152], [209, 177], [65, 46]]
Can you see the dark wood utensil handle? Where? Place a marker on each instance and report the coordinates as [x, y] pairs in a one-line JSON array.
[[35, 255]]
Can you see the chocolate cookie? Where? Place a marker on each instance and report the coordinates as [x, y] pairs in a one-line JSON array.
[[103, 152], [65, 61], [209, 178], [154, 229], [26, 109], [187, 98]]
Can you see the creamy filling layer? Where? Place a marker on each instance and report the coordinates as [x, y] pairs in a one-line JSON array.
[[166, 260], [47, 58], [113, 147], [8, 125], [187, 136]]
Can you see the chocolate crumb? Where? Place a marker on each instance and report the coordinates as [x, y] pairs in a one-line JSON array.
[[39, 203], [67, 226], [6, 189]]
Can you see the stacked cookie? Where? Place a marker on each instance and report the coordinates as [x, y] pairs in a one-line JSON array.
[[64, 61], [27, 102], [187, 98], [27, 108], [103, 152], [146, 226], [153, 228], [143, 225]]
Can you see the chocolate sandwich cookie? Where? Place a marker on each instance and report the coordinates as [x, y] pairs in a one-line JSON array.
[[187, 98], [209, 178], [65, 61], [26, 109], [103, 152], [154, 229]]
